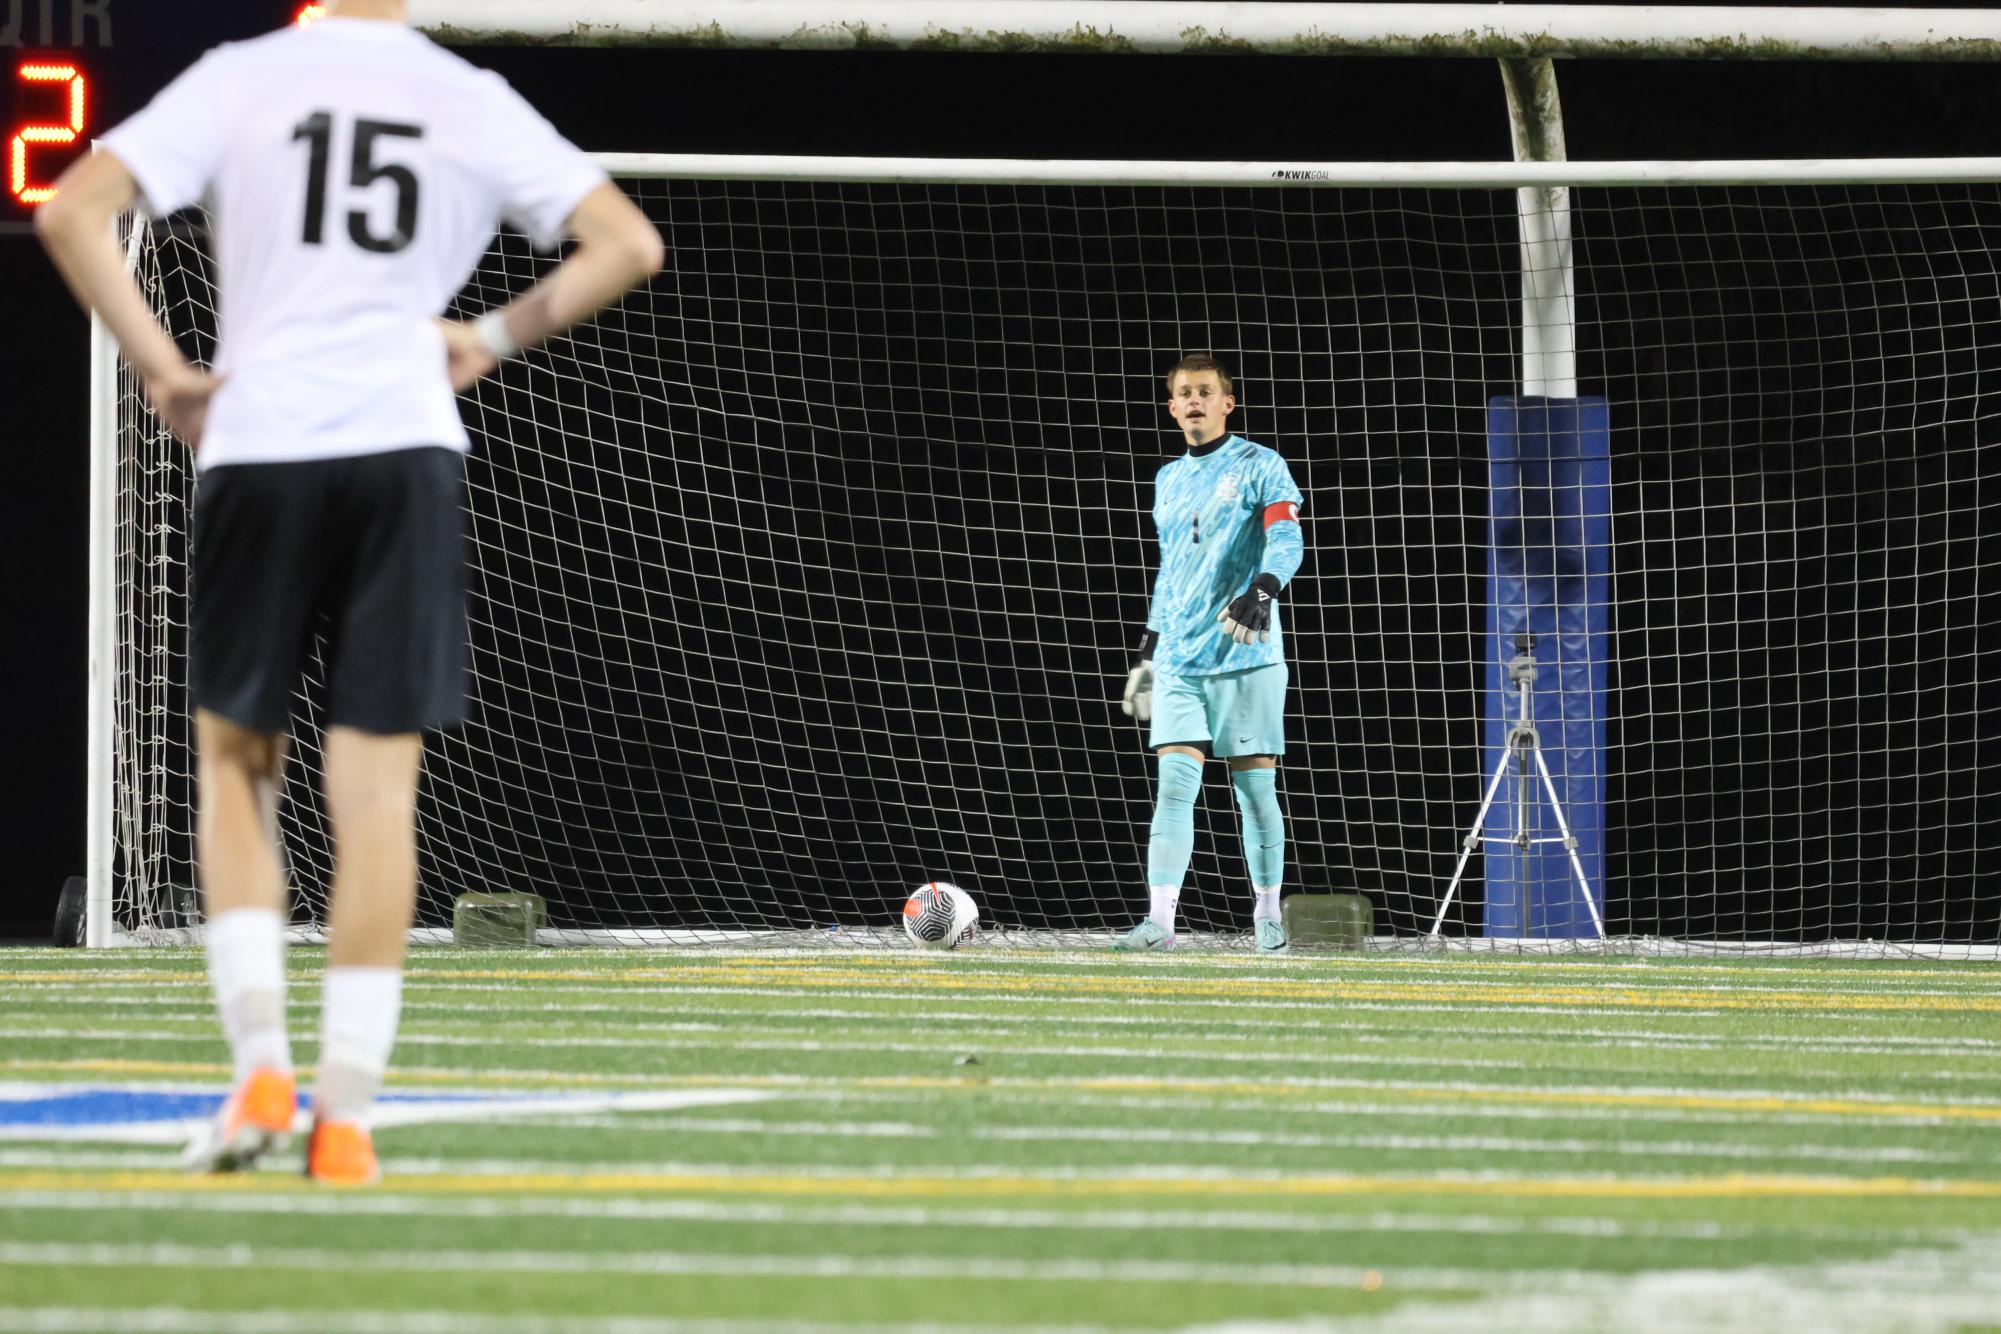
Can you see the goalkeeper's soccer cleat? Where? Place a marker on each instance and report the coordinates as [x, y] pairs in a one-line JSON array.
[[256, 1120], [1148, 936], [1271, 936], [342, 1153]]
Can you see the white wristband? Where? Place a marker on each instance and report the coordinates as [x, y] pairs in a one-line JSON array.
[[491, 329]]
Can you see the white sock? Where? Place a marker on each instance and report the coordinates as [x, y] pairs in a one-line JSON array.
[[358, 1029], [1161, 900], [246, 970], [1267, 909]]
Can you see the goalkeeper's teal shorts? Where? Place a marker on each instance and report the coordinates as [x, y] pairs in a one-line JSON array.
[[1232, 713]]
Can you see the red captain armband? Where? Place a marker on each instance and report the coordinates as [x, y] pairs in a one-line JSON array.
[[1281, 512]]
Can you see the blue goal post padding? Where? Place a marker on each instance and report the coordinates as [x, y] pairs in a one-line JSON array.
[[1549, 574]]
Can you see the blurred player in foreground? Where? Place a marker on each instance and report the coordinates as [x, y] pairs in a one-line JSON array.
[[354, 174], [1211, 673]]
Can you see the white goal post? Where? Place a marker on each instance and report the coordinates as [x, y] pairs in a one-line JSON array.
[[775, 563]]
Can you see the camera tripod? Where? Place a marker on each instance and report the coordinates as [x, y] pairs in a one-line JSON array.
[[1521, 746]]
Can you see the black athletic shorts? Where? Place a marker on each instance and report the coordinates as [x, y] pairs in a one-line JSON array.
[[368, 551]]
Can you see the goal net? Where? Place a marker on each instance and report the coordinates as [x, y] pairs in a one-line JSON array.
[[812, 572]]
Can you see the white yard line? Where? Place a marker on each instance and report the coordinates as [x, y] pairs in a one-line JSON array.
[[392, 1112], [181, 1320], [1177, 1053], [617, 1170], [1124, 1134], [90, 1255], [1348, 1028], [500, 1037], [504, 1206], [1810, 1106], [1931, 1291], [647, 1020], [904, 988], [1186, 1047], [1472, 1002], [1243, 963], [674, 1125], [1858, 1104], [1400, 1035], [808, 973], [88, 1160], [1090, 956], [891, 987], [1064, 1104], [1457, 1014], [1922, 1290], [1468, 1143], [808, 979], [1396, 1110]]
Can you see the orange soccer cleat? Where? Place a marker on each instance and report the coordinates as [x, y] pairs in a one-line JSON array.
[[341, 1153], [256, 1120]]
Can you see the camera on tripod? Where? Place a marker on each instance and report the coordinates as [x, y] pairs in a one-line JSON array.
[[1523, 748]]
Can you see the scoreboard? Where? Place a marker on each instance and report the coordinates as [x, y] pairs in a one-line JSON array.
[[75, 68]]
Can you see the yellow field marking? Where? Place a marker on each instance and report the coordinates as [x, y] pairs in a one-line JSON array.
[[603, 966], [1169, 987], [1735, 1186], [1723, 1102], [1782, 1104], [1711, 1102], [512, 1078], [1127, 986], [459, 1079], [188, 974], [787, 967], [119, 1067]]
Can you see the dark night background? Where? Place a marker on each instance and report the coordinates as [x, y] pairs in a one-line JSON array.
[[1140, 107]]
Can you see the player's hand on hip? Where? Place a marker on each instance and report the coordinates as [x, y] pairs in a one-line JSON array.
[[1248, 619], [181, 398], [466, 357], [1137, 702]]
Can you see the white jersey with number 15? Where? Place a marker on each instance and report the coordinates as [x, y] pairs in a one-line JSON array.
[[354, 172]]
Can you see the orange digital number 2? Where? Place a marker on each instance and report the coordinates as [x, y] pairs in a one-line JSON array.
[[17, 167]]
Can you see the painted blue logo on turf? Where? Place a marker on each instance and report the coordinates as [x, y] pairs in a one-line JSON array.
[[142, 1115], [103, 1107]]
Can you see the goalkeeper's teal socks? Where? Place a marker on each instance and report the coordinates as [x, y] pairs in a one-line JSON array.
[[1264, 835], [1173, 841]]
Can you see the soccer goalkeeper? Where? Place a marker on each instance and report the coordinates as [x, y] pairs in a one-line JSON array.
[[1211, 673]]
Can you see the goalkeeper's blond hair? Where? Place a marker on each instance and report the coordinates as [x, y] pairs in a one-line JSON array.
[[1196, 362]]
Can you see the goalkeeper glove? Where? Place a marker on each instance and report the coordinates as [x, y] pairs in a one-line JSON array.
[[1138, 700], [1248, 619]]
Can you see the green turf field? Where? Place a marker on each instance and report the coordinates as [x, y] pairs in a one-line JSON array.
[[1007, 1140]]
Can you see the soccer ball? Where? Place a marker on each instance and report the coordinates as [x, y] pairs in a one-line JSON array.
[[939, 916]]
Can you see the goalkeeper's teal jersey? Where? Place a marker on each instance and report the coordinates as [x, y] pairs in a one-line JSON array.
[[1223, 516]]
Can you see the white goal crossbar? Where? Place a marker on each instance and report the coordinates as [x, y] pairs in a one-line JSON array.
[[1706, 32], [1427, 175]]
